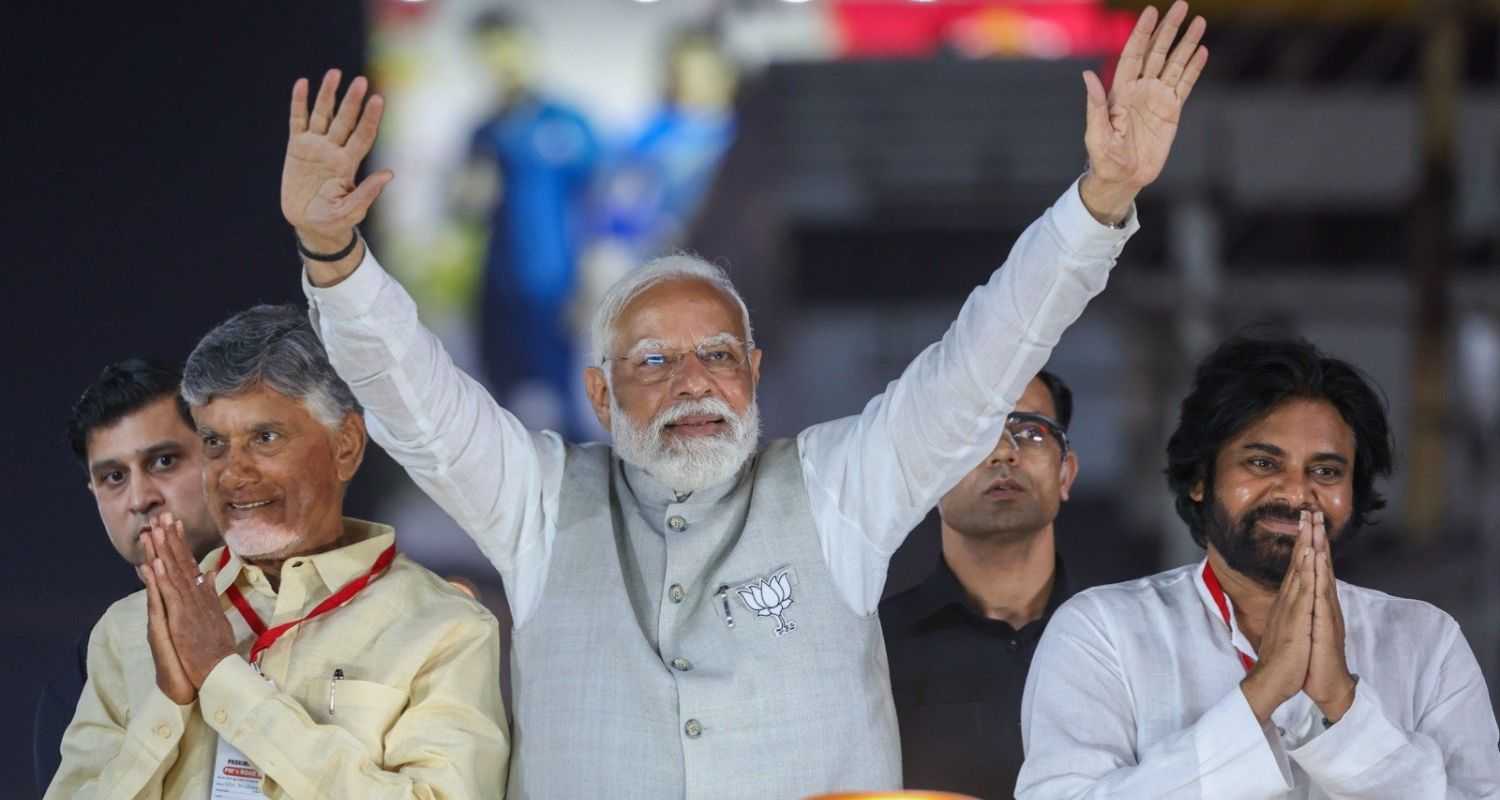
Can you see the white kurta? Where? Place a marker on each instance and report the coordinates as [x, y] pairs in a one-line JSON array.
[[871, 477], [631, 680], [1135, 693]]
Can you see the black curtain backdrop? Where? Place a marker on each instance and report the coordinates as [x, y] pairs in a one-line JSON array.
[[142, 145]]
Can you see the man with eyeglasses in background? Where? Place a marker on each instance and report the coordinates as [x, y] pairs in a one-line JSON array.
[[961, 641]]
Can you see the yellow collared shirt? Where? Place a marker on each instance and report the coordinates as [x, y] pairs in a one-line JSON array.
[[417, 713]]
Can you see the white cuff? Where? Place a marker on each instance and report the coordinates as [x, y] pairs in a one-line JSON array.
[[1084, 236], [1237, 756], [352, 297], [1362, 738]]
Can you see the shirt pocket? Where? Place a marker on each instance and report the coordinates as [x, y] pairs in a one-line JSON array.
[[365, 709]]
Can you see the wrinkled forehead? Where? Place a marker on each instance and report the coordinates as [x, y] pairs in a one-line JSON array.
[[681, 312], [254, 407]]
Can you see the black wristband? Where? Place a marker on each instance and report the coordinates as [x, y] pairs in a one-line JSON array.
[[329, 257]]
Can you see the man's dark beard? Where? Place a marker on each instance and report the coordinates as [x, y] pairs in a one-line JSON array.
[[1262, 557]]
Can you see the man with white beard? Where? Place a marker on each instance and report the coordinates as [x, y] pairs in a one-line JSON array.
[[693, 617]]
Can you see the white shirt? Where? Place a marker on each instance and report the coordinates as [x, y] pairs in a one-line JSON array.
[[1135, 693], [870, 478]]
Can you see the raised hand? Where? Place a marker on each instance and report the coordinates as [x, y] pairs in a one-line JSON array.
[[324, 150], [1329, 683], [1286, 646], [171, 678], [1129, 131], [200, 633]]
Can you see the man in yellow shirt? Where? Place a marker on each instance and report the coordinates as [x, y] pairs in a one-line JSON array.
[[306, 660]]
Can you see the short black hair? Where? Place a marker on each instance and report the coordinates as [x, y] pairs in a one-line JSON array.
[[1246, 378], [1062, 397], [121, 389]]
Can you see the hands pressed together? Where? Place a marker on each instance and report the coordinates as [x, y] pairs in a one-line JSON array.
[[1302, 648], [185, 624]]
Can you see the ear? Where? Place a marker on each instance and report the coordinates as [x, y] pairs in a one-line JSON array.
[[1196, 492], [755, 366], [1069, 474], [598, 391], [349, 446]]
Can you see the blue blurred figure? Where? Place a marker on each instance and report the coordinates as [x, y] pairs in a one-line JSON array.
[[530, 166], [658, 180]]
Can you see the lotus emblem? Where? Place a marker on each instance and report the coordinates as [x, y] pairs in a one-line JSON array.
[[770, 597]]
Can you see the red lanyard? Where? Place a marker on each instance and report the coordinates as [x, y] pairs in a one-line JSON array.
[[265, 637], [1216, 591]]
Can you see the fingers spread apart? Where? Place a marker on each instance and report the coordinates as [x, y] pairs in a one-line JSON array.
[[1149, 53]]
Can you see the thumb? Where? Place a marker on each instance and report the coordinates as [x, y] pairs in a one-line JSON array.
[[365, 194], [1096, 114]]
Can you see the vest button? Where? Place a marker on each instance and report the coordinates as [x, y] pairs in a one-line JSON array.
[[693, 729], [163, 731], [677, 523], [681, 664], [677, 593]]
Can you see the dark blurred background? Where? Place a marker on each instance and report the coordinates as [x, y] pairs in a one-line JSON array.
[[142, 147], [857, 165]]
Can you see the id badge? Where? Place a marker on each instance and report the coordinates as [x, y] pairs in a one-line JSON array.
[[235, 778]]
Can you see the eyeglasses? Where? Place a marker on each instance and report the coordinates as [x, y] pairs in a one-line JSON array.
[[1027, 431], [722, 356]]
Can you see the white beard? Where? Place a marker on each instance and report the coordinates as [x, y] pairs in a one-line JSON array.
[[248, 539], [687, 464]]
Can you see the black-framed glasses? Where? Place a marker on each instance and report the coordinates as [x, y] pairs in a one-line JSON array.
[[1028, 431]]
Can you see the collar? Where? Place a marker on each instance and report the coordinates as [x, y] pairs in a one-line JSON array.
[[1212, 609], [651, 492], [335, 567], [942, 591]]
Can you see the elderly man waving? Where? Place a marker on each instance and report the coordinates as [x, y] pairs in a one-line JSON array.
[[307, 659], [695, 614]]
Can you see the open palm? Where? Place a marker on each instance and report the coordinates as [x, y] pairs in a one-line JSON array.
[[1129, 132], [319, 196]]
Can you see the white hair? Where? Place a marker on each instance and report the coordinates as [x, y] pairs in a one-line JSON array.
[[681, 266], [689, 464]]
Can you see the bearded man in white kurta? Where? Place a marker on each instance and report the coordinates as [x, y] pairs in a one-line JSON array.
[[1255, 673], [695, 615]]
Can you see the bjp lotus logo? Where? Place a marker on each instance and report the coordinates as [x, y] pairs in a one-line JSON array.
[[770, 597]]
